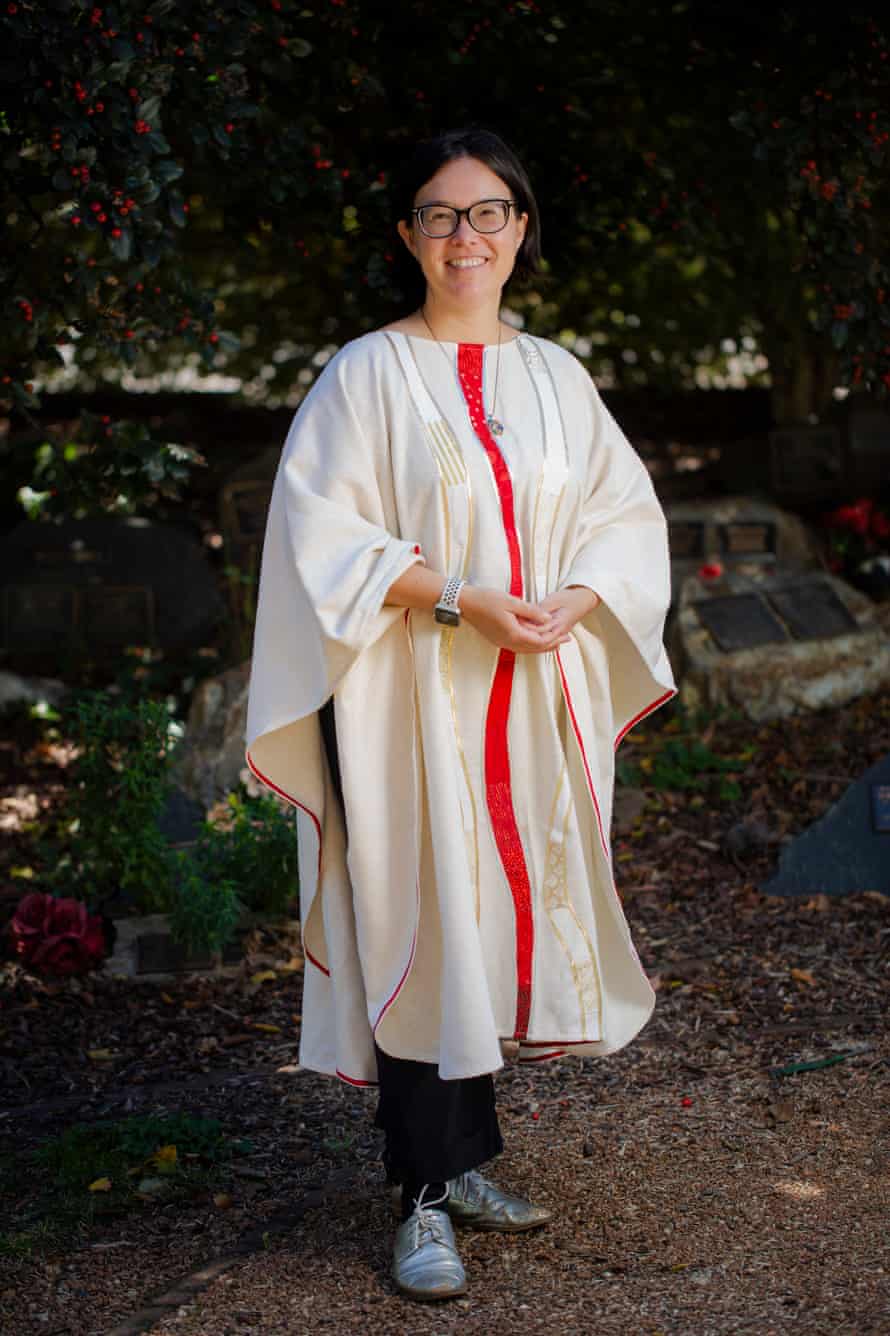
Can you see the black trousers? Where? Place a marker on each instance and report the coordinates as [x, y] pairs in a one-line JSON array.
[[434, 1129]]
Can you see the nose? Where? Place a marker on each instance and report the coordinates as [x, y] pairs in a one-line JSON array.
[[464, 231]]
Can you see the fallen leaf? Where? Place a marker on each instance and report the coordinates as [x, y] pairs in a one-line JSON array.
[[803, 976], [269, 1029], [100, 1185], [100, 1054], [262, 976], [223, 1200], [165, 1158]]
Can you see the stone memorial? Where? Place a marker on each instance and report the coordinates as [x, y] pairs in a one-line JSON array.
[[87, 585], [848, 849], [736, 532], [772, 641]]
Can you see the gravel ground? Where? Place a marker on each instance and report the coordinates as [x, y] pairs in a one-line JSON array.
[[697, 1187]]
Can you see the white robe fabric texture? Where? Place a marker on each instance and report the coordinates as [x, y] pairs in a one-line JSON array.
[[474, 902]]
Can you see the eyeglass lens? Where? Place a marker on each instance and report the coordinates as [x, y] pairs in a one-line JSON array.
[[440, 220]]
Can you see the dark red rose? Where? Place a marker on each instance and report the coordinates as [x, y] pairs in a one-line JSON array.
[[56, 936], [856, 517]]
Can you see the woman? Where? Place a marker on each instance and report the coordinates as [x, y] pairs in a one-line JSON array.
[[463, 592]]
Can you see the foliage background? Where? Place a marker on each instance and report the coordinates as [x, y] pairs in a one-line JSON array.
[[205, 182]]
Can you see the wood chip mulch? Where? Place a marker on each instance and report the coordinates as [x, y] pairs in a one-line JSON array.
[[698, 1185]]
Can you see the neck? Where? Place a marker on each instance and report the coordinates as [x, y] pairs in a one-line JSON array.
[[480, 324]]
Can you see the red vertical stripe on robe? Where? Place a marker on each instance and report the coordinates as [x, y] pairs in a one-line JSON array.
[[498, 790]]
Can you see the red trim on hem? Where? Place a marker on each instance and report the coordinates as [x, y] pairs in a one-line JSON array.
[[638, 718], [354, 1080], [398, 988], [544, 1057], [498, 790], [264, 779]]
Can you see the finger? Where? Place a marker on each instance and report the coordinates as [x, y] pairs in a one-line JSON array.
[[530, 612]]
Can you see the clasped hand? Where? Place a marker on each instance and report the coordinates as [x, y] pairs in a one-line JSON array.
[[526, 628]]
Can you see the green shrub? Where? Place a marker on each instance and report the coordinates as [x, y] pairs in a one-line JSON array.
[[120, 782], [110, 841], [254, 846], [204, 914]]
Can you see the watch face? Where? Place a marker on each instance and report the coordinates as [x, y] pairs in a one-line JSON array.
[[448, 616]]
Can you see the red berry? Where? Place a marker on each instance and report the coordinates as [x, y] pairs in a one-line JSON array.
[[116, 232], [101, 217], [100, 106], [139, 287], [105, 419], [76, 220], [229, 128], [128, 333], [282, 41], [12, 9], [214, 338], [686, 1102]]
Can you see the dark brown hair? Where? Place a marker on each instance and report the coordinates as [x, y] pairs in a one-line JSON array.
[[473, 141]]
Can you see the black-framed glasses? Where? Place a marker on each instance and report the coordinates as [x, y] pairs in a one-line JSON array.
[[486, 215]]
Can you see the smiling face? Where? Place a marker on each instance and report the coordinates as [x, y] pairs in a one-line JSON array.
[[468, 269]]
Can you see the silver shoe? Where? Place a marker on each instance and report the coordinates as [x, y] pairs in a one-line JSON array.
[[426, 1264], [474, 1201]]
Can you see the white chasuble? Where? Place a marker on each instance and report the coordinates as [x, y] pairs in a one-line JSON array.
[[473, 901]]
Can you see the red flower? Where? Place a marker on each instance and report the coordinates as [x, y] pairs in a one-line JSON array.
[[856, 517], [56, 936], [712, 570]]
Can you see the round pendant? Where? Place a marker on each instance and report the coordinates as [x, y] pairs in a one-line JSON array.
[[496, 428]]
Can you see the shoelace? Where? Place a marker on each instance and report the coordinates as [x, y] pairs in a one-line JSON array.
[[425, 1221]]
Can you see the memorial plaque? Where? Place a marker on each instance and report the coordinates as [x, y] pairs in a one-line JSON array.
[[740, 621], [846, 850], [812, 610], [748, 538], [686, 539], [159, 953], [880, 808]]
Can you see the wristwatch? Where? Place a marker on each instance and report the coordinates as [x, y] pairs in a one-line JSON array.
[[446, 610]]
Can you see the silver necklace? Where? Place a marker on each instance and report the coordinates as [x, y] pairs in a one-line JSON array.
[[495, 426]]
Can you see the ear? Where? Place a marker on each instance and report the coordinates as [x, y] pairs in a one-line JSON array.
[[407, 235]]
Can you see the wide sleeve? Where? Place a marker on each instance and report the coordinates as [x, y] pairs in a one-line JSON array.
[[621, 552], [331, 548]]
